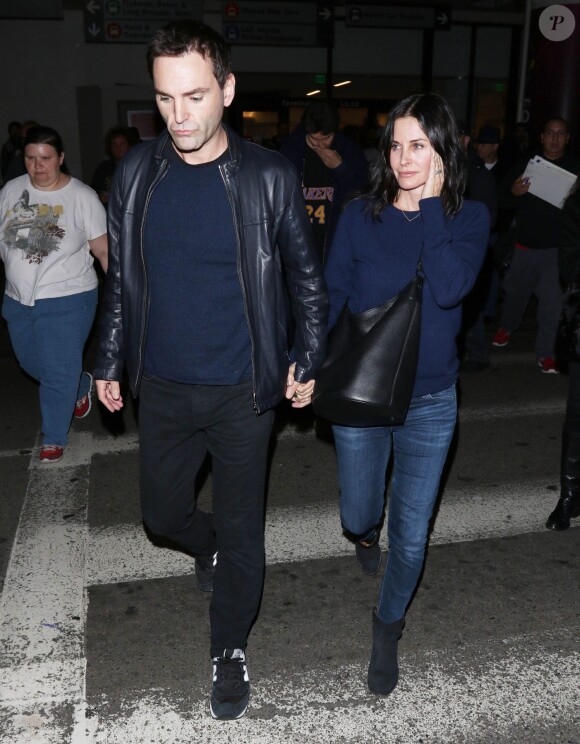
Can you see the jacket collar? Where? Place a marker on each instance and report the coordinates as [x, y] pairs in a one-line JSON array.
[[234, 147]]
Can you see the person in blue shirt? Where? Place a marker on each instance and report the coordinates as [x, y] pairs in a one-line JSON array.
[[413, 209]]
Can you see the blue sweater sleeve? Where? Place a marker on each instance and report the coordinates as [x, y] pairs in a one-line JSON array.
[[453, 253], [339, 271]]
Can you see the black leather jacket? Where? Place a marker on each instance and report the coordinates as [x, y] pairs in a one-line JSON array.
[[272, 231]]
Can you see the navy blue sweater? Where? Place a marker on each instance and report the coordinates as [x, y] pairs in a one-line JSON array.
[[370, 261], [197, 330]]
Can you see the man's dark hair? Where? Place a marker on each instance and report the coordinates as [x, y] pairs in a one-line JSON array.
[[556, 118], [438, 122], [113, 134], [320, 116], [44, 136], [179, 38]]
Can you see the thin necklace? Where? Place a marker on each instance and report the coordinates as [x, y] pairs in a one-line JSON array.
[[410, 219]]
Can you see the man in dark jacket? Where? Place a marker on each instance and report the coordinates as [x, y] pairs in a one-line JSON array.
[[331, 167], [201, 224], [534, 265]]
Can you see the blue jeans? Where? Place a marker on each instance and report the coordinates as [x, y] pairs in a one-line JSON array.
[[420, 449], [48, 340]]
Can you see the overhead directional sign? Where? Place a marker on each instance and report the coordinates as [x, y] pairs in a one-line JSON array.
[[133, 21], [278, 23], [385, 16]]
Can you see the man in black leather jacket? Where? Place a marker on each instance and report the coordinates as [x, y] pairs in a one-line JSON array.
[[208, 237]]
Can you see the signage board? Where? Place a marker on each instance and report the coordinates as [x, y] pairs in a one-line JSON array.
[[385, 16], [278, 23], [133, 21]]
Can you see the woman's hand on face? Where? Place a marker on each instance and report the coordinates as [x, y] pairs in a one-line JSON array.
[[434, 183]]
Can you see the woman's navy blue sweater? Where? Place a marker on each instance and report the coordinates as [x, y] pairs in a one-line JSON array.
[[371, 260]]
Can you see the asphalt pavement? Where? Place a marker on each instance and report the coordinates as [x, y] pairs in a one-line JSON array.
[[104, 636]]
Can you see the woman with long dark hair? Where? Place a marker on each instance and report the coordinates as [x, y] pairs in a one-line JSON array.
[[50, 224], [412, 211]]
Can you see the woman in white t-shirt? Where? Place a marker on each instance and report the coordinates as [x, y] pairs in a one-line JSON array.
[[50, 224]]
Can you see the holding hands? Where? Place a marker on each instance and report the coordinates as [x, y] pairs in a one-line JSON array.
[[300, 393]]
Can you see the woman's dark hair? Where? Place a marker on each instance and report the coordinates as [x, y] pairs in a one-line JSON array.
[[40, 135], [183, 37], [437, 121]]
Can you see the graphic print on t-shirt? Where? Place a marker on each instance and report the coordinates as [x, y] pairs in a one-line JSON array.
[[34, 229], [318, 191]]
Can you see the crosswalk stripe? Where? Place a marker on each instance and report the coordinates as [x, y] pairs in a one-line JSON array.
[[82, 445], [515, 681], [55, 557], [312, 531], [43, 605]]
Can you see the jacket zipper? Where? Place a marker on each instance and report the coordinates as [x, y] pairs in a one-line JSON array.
[[242, 286], [145, 309]]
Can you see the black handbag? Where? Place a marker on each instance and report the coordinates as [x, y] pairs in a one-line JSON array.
[[568, 336], [368, 375]]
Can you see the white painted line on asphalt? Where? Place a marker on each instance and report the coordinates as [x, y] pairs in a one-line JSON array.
[[83, 445], [527, 684], [550, 407], [312, 531], [43, 603]]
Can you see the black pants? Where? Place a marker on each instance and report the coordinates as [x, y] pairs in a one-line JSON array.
[[178, 425], [572, 420]]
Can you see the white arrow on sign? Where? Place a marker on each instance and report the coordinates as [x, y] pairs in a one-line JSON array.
[[94, 30], [93, 7], [442, 19], [325, 13]]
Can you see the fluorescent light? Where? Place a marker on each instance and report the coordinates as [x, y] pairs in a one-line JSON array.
[[344, 82], [313, 92]]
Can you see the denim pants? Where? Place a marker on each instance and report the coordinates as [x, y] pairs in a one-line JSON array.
[[178, 426], [420, 449], [48, 340]]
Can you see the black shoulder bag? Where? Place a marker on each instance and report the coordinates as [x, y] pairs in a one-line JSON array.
[[368, 375]]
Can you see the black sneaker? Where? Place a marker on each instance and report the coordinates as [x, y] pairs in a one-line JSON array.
[[368, 555], [204, 571], [231, 686]]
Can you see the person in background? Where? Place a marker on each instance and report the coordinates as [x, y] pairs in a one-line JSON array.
[[10, 147], [568, 506], [413, 210], [331, 166], [50, 224], [492, 153], [15, 166], [118, 142], [275, 142], [480, 187], [206, 230], [534, 264]]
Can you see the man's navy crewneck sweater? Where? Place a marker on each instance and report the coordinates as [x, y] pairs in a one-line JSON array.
[[197, 330]]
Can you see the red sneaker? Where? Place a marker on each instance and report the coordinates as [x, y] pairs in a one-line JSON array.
[[83, 405], [548, 366], [501, 338], [50, 453]]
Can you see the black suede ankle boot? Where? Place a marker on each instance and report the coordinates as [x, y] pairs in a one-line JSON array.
[[384, 668], [568, 506]]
